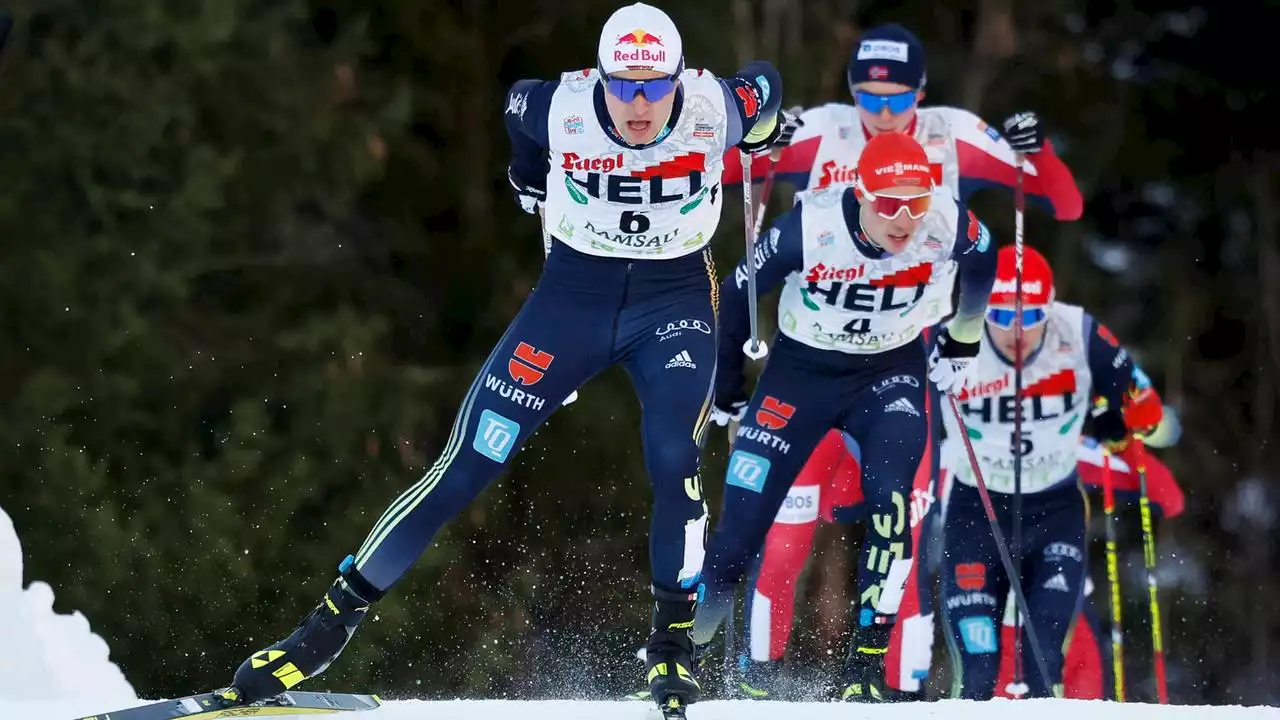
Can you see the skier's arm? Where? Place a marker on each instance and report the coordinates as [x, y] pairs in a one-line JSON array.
[[985, 160], [528, 104], [752, 97], [795, 162], [976, 260], [1111, 367], [779, 252]]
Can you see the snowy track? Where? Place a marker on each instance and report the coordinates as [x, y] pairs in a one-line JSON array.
[[743, 710]]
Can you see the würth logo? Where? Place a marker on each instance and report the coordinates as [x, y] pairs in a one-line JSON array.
[[528, 364], [774, 414]]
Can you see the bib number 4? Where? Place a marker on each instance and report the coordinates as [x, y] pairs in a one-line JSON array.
[[858, 326]]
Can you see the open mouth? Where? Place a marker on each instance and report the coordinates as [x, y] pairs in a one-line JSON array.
[[638, 126]]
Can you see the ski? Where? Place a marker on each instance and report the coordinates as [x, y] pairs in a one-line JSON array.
[[210, 705]]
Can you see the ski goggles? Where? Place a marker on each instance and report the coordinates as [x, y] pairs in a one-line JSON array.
[[653, 89], [897, 103], [1004, 317], [891, 206]]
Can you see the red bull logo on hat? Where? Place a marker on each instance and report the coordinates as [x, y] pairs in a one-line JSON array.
[[639, 38], [643, 48]]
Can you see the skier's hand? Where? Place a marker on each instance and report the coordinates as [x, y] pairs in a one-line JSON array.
[[787, 124], [734, 412], [1109, 428], [1024, 132], [528, 196], [953, 364]]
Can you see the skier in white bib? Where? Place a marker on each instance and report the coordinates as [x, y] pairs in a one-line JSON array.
[[856, 262], [625, 160], [1068, 360]]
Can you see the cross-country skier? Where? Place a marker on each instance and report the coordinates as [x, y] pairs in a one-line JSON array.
[[1068, 359], [625, 159], [887, 78], [1087, 667], [857, 262]]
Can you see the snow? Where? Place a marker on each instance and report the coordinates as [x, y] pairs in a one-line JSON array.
[[53, 667], [733, 710]]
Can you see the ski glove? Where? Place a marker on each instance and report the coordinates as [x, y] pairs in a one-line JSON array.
[[526, 195], [735, 411], [953, 364], [1110, 428], [784, 130], [1024, 132]]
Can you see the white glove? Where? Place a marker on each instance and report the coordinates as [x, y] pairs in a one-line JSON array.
[[735, 412], [953, 364]]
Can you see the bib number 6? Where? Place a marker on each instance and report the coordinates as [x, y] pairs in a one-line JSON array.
[[633, 222]]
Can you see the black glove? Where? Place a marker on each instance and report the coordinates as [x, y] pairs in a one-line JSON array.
[[1024, 132], [1110, 429], [785, 129], [526, 195]]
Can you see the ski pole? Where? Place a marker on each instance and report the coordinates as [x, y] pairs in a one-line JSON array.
[[1018, 687], [754, 348], [1020, 600], [1149, 560], [1113, 575]]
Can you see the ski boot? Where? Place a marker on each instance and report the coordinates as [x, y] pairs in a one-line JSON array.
[[318, 640], [669, 655], [760, 679], [701, 656], [863, 675]]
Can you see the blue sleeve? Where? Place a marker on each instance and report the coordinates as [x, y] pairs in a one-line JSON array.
[[755, 92], [1110, 364], [779, 252], [528, 104], [977, 264]]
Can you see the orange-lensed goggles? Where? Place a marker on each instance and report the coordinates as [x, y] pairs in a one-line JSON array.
[[890, 206]]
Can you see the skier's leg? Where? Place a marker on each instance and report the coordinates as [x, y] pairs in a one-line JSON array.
[[886, 418], [672, 373], [974, 585], [772, 588], [790, 411], [1054, 566], [537, 363]]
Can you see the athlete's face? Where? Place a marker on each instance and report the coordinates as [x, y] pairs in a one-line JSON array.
[[1004, 339], [640, 119], [876, 102], [891, 235]]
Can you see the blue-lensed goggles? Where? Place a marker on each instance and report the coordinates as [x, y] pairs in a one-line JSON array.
[[1003, 317], [897, 103], [653, 89]]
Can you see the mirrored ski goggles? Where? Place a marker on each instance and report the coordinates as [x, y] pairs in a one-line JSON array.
[[653, 89], [897, 103], [890, 206], [1004, 317]]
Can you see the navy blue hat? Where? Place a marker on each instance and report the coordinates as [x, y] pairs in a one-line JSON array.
[[888, 53]]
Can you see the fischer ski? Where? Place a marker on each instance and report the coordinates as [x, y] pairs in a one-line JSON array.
[[210, 705]]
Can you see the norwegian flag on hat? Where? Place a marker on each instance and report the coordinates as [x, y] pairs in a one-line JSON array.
[[1037, 279]]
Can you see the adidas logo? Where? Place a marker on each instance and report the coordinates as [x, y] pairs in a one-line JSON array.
[[683, 360], [1057, 582], [902, 405]]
